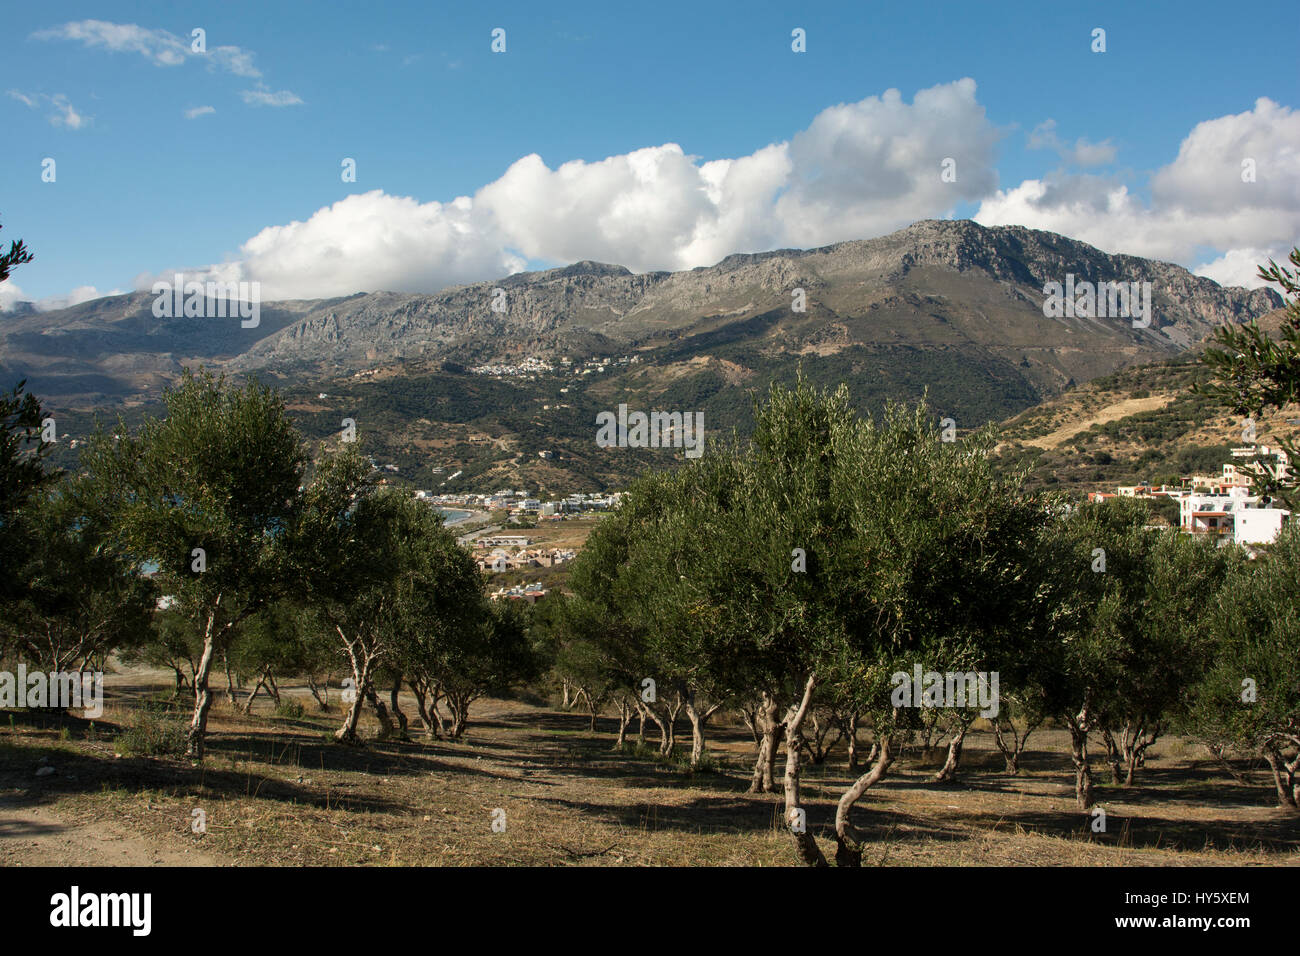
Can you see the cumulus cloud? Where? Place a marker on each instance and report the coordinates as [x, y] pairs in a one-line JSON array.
[[1234, 186], [64, 113], [368, 241], [867, 168], [859, 169]]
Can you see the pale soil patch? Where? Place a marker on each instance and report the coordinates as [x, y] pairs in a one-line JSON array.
[[37, 836], [1111, 413]]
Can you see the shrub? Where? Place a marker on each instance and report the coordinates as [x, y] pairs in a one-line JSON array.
[[148, 735], [292, 708]]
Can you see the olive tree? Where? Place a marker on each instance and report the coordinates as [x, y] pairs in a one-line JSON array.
[[1249, 698], [207, 493]]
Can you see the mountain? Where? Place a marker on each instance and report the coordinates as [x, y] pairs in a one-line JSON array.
[[948, 307]]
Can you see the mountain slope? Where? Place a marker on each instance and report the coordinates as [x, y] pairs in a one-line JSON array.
[[935, 286]]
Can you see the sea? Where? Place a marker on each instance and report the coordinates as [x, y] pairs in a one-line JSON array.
[[454, 515]]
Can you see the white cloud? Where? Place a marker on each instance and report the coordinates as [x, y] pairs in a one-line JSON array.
[[867, 168], [11, 295], [860, 169], [1082, 153], [234, 60], [198, 111], [77, 296], [1199, 200], [369, 241], [65, 114], [1241, 266], [159, 47], [264, 97]]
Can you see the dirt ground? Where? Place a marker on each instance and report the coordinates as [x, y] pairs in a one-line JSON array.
[[1111, 413], [532, 785]]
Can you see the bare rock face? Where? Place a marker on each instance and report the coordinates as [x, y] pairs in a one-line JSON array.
[[942, 284]]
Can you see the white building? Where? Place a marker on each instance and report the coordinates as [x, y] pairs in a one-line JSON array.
[[1259, 525], [1236, 515]]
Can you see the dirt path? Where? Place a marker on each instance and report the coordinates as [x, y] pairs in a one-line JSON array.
[[35, 836]]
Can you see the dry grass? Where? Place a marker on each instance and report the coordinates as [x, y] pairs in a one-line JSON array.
[[281, 792]]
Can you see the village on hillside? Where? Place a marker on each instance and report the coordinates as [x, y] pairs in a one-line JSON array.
[[1222, 505]]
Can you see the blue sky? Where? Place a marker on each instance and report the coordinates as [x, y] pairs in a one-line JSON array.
[[414, 93]]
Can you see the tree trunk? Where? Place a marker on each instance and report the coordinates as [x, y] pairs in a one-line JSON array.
[[230, 681], [396, 707], [1114, 757], [1011, 753], [322, 702], [273, 687], [422, 707], [750, 716], [848, 842], [795, 816], [851, 735], [764, 779], [202, 694], [667, 725], [1078, 726], [459, 704], [381, 712], [624, 719], [698, 721], [948, 772], [1284, 777], [247, 706], [347, 733], [435, 694]]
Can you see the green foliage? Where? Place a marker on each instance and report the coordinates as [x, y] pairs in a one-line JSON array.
[[17, 255], [1254, 373], [82, 595], [914, 549], [219, 473], [1257, 625], [291, 708], [149, 734], [23, 474]]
